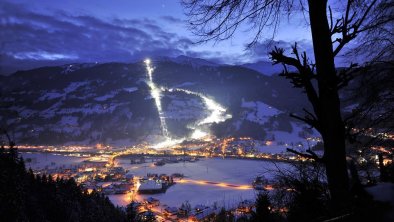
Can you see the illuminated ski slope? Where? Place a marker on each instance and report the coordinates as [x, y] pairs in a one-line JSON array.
[[217, 112]]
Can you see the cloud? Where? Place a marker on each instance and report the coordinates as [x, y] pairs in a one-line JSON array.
[[31, 39], [30, 36], [173, 20], [42, 55]]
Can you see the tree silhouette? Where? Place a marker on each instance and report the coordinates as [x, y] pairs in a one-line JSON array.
[[27, 197], [263, 209], [332, 30]]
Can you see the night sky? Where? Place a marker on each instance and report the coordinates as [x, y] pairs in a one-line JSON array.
[[51, 32]]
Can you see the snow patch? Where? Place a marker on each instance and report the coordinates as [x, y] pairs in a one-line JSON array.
[[69, 120], [106, 96], [184, 84], [74, 85], [130, 89], [258, 112], [50, 96]]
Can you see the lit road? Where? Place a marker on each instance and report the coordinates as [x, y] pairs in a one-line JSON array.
[[220, 184]]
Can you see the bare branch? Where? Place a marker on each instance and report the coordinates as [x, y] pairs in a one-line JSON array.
[[218, 19], [312, 122], [303, 78], [311, 156]]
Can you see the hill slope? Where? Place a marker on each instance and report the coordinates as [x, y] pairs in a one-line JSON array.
[[111, 103]]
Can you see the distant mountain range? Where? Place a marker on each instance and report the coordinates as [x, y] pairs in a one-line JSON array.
[[111, 103], [264, 67]]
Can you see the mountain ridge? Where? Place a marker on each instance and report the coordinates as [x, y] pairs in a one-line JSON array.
[[104, 102]]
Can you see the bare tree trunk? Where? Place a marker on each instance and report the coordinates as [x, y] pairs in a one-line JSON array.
[[328, 113]]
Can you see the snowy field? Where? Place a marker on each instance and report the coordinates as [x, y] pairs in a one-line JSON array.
[[229, 171], [217, 170], [49, 160]]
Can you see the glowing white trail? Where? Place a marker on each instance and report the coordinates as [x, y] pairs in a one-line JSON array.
[[218, 112], [156, 94]]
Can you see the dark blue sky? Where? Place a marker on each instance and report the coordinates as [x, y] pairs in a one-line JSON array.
[[47, 32]]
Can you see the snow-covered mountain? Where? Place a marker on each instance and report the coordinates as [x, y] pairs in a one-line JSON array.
[[266, 68], [111, 102]]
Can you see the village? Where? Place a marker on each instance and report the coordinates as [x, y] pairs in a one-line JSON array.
[[97, 177], [101, 172]]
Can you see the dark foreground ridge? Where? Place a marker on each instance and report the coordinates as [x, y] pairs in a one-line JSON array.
[[28, 197]]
